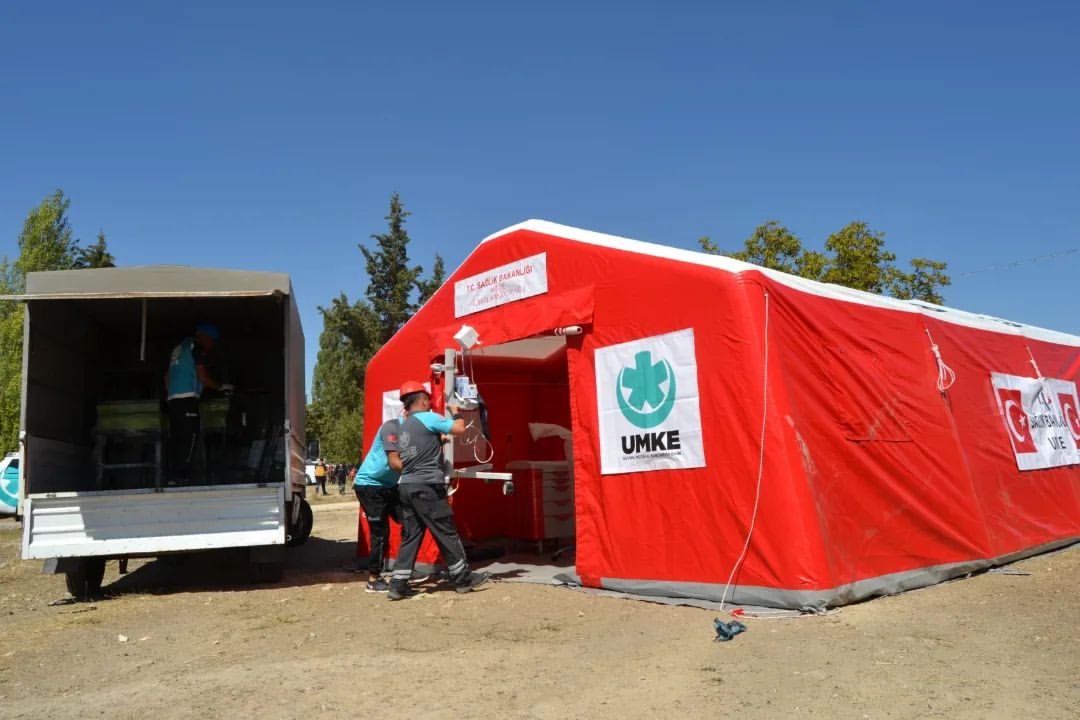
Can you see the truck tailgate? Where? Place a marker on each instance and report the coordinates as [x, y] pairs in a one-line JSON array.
[[133, 522]]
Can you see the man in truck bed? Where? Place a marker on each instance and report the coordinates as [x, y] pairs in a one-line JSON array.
[[185, 380]]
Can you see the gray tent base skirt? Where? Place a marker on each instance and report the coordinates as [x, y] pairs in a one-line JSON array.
[[812, 600]]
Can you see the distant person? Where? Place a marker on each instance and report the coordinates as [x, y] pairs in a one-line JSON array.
[[320, 477], [185, 380], [341, 473], [375, 486], [422, 491]]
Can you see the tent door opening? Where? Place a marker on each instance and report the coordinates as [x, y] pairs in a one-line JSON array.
[[526, 463]]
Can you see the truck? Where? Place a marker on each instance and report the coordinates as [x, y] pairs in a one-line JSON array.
[[95, 482]]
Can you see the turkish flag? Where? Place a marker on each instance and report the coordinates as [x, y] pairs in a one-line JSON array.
[[1072, 418], [1016, 420]]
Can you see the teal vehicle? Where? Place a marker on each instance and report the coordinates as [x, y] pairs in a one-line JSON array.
[[9, 484]]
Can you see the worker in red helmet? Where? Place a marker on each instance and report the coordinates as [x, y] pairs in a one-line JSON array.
[[422, 491]]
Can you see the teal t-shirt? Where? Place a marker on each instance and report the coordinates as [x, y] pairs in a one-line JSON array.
[[183, 372], [375, 470]]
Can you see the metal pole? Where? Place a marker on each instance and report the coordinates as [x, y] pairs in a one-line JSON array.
[[142, 342]]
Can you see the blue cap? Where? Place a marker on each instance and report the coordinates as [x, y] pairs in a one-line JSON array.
[[209, 330]]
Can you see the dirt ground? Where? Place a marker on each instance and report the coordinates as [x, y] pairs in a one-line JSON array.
[[188, 639]]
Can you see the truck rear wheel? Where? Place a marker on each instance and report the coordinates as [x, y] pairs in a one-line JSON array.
[[299, 534], [84, 579]]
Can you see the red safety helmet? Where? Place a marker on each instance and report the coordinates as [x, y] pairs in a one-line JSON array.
[[410, 387]]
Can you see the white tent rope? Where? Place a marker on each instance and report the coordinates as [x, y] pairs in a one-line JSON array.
[[946, 376], [1043, 389], [1031, 356], [761, 456]]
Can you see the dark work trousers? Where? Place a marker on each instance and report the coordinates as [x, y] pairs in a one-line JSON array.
[[183, 437], [425, 506], [379, 504]]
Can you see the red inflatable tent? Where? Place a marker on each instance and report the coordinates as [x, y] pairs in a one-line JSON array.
[[743, 434]]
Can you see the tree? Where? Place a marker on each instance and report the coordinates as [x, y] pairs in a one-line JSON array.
[[45, 243], [428, 287], [354, 331], [859, 259], [855, 256], [11, 336], [708, 246], [773, 246], [346, 344], [922, 282], [391, 280], [96, 255]]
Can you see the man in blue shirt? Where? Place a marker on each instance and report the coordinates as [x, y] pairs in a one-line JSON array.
[[185, 380], [376, 489], [422, 491]]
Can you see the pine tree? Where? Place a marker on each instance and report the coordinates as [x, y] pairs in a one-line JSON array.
[[354, 331], [391, 279], [428, 287], [96, 255]]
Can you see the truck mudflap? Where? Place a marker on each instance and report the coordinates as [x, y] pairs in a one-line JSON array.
[[148, 522]]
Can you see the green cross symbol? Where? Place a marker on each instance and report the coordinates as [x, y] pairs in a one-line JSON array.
[[643, 381]]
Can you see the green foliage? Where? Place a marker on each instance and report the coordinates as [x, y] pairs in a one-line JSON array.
[[859, 259], [96, 255], [427, 288], [45, 243], [922, 282], [708, 246], [773, 246], [855, 256], [811, 264], [11, 337], [354, 331], [346, 344], [391, 280]]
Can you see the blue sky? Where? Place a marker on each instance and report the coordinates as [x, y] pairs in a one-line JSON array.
[[271, 135]]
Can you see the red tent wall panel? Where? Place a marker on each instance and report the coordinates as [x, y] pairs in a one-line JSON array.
[[1021, 509], [689, 525], [891, 492]]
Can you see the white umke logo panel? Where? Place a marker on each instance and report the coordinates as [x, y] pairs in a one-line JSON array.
[[1040, 418], [649, 411]]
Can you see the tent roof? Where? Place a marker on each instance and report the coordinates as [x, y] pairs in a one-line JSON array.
[[837, 292], [153, 281]]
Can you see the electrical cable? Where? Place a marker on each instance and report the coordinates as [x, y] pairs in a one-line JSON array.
[[468, 369], [473, 443], [761, 455]]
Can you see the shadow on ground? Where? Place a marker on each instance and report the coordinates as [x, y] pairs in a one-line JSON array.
[[318, 561]]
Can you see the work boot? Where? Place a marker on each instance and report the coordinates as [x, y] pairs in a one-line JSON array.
[[400, 590], [377, 586], [469, 581]]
